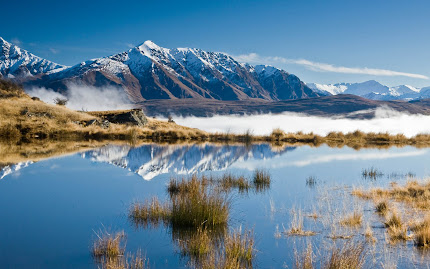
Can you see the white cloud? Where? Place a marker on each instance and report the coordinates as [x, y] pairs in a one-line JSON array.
[[385, 120], [16, 41], [82, 97], [254, 58], [54, 51]]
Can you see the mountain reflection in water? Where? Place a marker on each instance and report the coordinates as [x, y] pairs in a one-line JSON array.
[[152, 160]]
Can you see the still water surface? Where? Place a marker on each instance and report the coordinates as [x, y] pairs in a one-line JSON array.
[[50, 209]]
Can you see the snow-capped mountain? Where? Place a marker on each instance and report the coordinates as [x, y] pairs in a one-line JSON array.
[[149, 161], [372, 90], [19, 64], [149, 71]]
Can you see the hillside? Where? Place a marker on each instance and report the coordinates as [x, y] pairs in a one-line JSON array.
[[24, 119]]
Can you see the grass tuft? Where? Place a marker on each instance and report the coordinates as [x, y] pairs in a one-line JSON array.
[[353, 220], [261, 180], [108, 245]]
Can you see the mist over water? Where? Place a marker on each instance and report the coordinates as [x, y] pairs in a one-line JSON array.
[[82, 97], [385, 120]]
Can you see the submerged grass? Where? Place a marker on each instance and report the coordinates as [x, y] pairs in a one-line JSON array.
[[354, 219], [151, 212], [261, 180], [108, 245], [350, 255], [371, 173]]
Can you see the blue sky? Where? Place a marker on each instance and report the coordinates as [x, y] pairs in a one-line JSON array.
[[338, 39]]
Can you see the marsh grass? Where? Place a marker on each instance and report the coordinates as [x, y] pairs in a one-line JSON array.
[[368, 233], [382, 207], [305, 259], [413, 192], [240, 246], [349, 255], [108, 245], [397, 230], [192, 203], [129, 261], [229, 181], [296, 226], [311, 181], [196, 244], [151, 212], [422, 232], [261, 180], [353, 220], [237, 252], [371, 173], [199, 207]]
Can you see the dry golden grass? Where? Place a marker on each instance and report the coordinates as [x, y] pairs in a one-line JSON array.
[[198, 244], [240, 247], [108, 245], [350, 255], [368, 233], [296, 226], [151, 212], [305, 259], [24, 118], [414, 193], [238, 252], [382, 207], [353, 220], [128, 261], [108, 251], [422, 232], [397, 230]]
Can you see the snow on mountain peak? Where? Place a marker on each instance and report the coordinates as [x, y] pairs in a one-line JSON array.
[[16, 62], [151, 45]]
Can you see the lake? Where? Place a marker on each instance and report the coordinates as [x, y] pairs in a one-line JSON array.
[[52, 209]]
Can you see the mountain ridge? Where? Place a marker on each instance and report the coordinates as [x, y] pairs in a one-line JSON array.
[[149, 71]]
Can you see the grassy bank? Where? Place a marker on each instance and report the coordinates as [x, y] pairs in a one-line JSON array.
[[25, 119]]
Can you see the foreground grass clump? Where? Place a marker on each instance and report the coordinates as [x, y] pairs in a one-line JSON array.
[[297, 225], [382, 207], [240, 247], [199, 206], [372, 173], [237, 252], [397, 230], [108, 251], [196, 244], [354, 219], [350, 255], [193, 203], [109, 245], [413, 193], [229, 181], [128, 261], [261, 179], [152, 212], [422, 232]]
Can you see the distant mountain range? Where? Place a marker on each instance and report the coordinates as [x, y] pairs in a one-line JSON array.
[[149, 72], [195, 82], [373, 90]]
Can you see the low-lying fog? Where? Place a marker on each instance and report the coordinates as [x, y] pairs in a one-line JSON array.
[[385, 120], [87, 98]]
